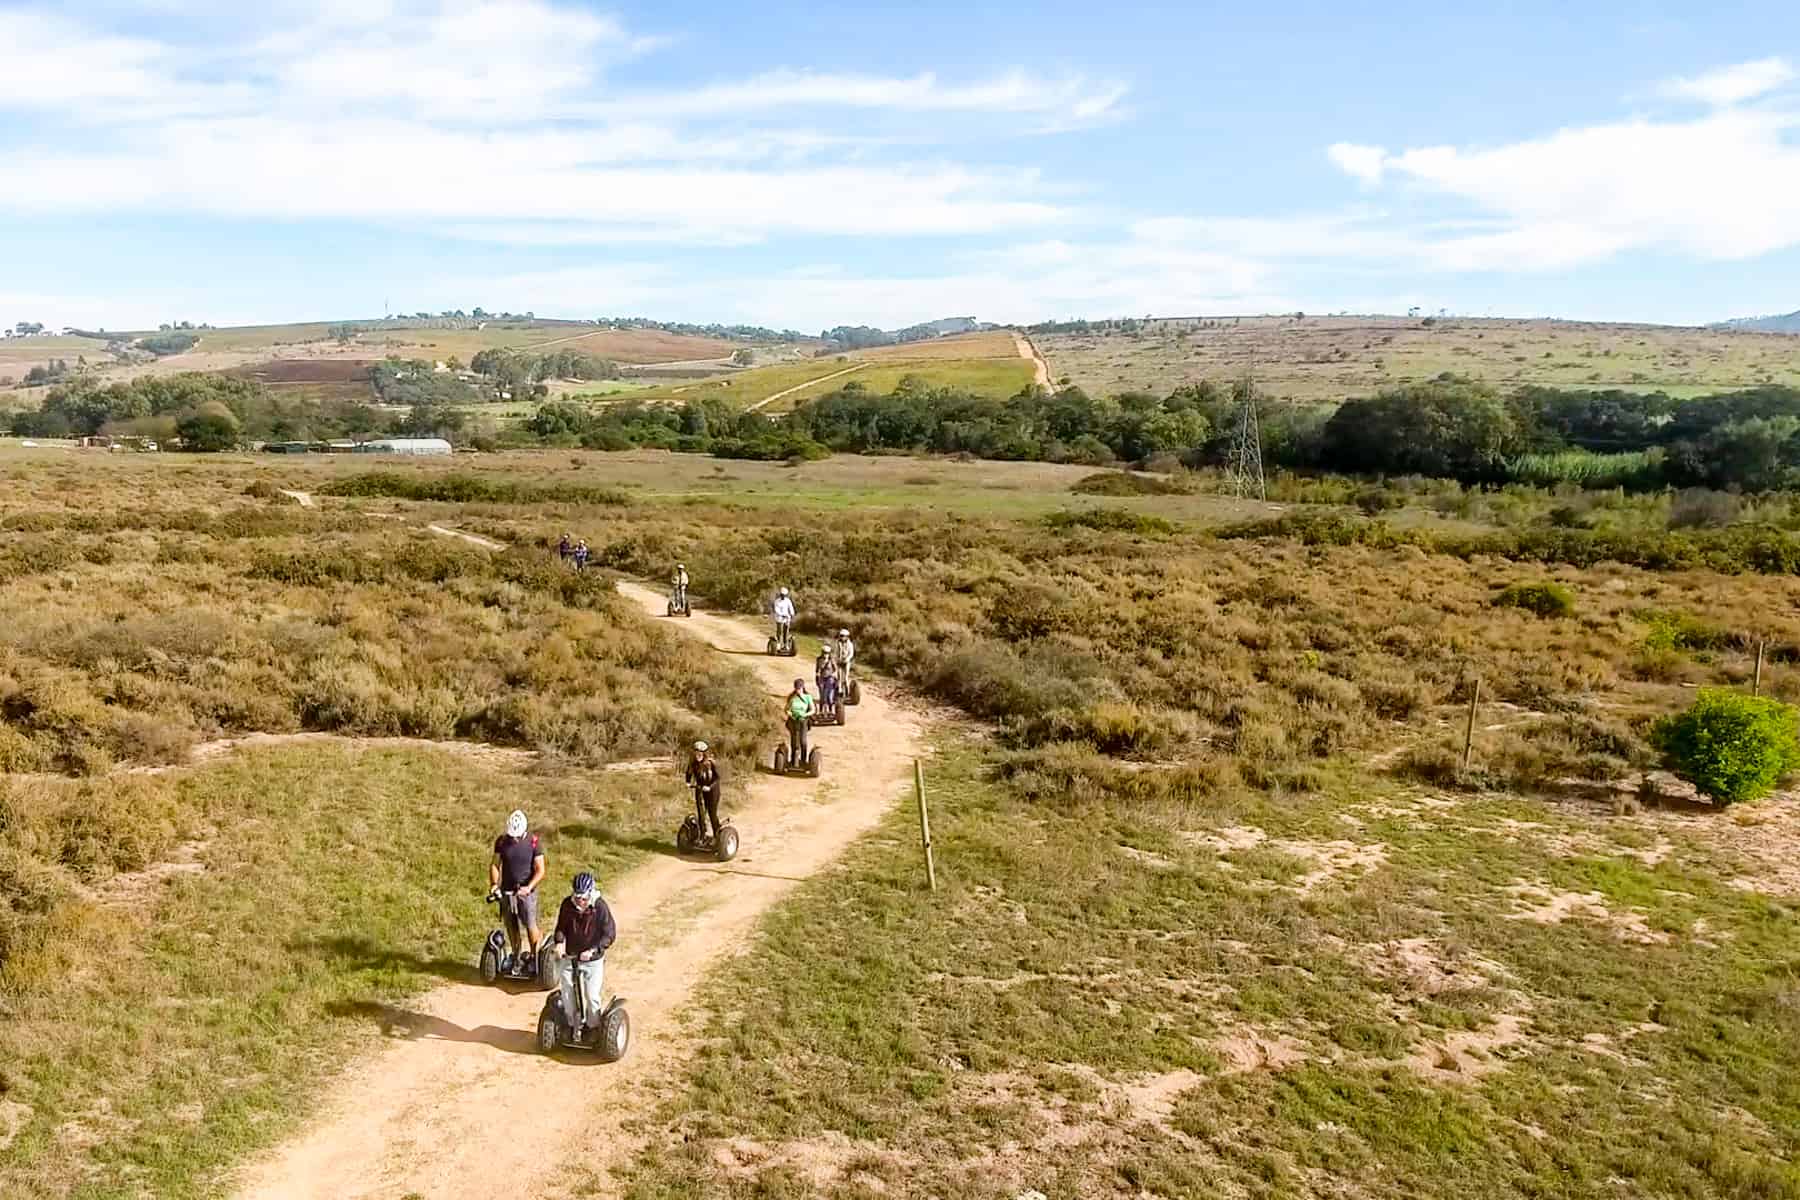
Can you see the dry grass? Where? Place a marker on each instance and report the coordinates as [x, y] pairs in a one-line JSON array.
[[1331, 358]]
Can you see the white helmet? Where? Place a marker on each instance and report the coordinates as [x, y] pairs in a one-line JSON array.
[[515, 824], [843, 633], [699, 747], [782, 592]]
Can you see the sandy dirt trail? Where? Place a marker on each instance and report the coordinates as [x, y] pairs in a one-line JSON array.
[[1028, 349], [459, 1103]]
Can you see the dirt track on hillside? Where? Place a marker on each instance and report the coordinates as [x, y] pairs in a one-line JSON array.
[[460, 1103], [1028, 350]]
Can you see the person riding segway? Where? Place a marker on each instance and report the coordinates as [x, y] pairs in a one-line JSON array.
[[844, 650], [783, 641], [678, 598], [573, 1015], [703, 830], [825, 678], [798, 754], [514, 873]]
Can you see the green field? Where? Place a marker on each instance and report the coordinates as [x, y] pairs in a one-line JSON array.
[[939, 364]]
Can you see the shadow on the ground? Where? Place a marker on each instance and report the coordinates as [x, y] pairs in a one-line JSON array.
[[380, 958], [608, 837], [416, 1026]]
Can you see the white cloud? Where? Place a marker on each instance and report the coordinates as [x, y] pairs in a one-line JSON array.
[[496, 119], [1734, 84], [1014, 92], [1361, 162]]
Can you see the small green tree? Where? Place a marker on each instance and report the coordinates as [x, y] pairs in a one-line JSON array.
[[210, 428], [1731, 746], [1544, 599]]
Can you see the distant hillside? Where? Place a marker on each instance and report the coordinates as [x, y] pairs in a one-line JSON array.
[[863, 337], [1789, 323]]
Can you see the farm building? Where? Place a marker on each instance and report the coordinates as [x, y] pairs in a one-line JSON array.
[[285, 448], [405, 446]]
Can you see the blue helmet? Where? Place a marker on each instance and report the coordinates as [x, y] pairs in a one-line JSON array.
[[584, 886]]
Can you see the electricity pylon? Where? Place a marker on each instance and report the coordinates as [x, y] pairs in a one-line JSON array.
[[1246, 445]]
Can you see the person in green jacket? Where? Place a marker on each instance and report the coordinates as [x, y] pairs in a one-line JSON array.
[[800, 710]]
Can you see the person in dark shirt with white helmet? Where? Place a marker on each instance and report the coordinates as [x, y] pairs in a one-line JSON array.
[[514, 874]]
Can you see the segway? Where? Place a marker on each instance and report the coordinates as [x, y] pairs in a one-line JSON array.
[[679, 606], [499, 962], [832, 712], [786, 765], [690, 840], [609, 1040], [850, 689], [782, 645]]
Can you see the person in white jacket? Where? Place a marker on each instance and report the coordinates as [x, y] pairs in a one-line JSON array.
[[784, 617], [845, 652]]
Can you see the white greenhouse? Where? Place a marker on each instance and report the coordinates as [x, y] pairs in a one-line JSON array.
[[404, 446]]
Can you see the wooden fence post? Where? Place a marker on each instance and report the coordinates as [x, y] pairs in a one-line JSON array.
[[1469, 731], [1756, 680], [924, 824]]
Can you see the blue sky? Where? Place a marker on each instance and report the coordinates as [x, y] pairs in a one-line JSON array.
[[805, 165]]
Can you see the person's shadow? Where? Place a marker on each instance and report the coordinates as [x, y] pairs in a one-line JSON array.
[[609, 837], [369, 956], [415, 1026]]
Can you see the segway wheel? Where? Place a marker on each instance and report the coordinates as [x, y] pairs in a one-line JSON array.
[[854, 693], [546, 967], [687, 610], [687, 836], [671, 611], [781, 760], [792, 649], [615, 1032], [490, 965], [727, 847], [771, 645], [812, 764], [547, 1030]]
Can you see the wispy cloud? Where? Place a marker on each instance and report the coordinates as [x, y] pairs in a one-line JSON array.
[[498, 119], [1716, 187], [1733, 84]]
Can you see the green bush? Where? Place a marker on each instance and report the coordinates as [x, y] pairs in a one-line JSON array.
[[1731, 746], [1544, 599], [1124, 483], [1110, 520]]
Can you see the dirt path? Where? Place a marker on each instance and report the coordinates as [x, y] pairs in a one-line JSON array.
[[460, 1104], [801, 387], [1029, 350], [476, 539]]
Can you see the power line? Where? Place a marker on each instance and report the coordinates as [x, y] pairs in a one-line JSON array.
[[1246, 444]]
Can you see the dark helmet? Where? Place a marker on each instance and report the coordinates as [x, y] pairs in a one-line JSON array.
[[583, 885]]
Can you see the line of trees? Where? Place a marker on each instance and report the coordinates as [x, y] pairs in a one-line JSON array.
[[214, 411], [517, 371]]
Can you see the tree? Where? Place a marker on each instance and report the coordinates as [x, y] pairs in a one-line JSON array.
[[208, 429], [1449, 426]]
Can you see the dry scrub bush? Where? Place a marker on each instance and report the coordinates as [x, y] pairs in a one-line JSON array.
[[382, 633], [1279, 653]]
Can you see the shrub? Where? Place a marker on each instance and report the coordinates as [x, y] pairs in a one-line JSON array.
[[1544, 599], [1110, 520], [1124, 483], [1374, 500], [1679, 631], [1731, 746]]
